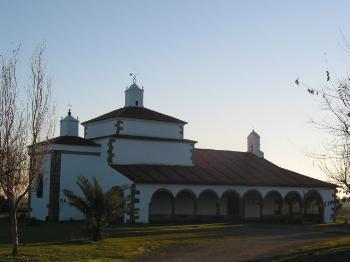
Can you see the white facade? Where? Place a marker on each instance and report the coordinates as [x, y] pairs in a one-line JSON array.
[[133, 127], [138, 127], [100, 129], [131, 151], [124, 141], [87, 166], [39, 205], [147, 191], [75, 161]]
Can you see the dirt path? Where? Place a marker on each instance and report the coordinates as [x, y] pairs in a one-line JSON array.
[[252, 246]]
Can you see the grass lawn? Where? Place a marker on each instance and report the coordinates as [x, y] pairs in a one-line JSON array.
[[67, 241]]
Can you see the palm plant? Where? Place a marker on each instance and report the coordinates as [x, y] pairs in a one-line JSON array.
[[99, 207]]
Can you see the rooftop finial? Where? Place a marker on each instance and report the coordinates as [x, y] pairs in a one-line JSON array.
[[69, 109], [133, 78]]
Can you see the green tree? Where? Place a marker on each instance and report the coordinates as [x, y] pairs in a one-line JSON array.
[[99, 208]]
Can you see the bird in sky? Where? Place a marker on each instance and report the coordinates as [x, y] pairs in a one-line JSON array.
[[297, 81]]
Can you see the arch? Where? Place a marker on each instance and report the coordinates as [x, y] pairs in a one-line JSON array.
[[161, 207], [185, 205], [293, 203], [273, 192], [292, 207], [313, 207], [272, 205], [230, 204], [252, 204], [207, 203], [189, 191]]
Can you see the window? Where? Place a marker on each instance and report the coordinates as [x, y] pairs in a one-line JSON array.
[[137, 103], [40, 186]]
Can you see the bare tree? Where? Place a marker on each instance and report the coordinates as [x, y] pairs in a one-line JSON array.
[[23, 122], [336, 165], [335, 102]]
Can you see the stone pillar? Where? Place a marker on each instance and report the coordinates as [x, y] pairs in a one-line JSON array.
[[195, 207], [172, 208], [218, 207], [261, 209], [242, 208]]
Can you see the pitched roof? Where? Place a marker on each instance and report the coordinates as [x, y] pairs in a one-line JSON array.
[[71, 140], [137, 113], [219, 167], [150, 138]]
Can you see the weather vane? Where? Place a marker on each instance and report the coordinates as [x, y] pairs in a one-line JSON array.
[[69, 108], [133, 78]]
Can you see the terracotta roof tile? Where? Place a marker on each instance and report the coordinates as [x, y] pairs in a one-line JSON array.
[[151, 138], [219, 167], [137, 113], [71, 140]]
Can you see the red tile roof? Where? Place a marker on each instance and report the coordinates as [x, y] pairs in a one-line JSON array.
[[219, 167], [137, 113], [151, 138], [71, 140]]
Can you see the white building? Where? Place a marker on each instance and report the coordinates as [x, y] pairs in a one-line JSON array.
[[168, 178]]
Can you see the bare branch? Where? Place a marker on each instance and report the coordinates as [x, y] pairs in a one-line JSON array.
[[21, 126]]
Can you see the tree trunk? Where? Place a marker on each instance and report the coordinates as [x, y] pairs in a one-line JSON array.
[[14, 229]]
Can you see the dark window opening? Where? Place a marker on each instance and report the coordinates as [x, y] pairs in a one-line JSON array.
[[40, 187], [137, 103]]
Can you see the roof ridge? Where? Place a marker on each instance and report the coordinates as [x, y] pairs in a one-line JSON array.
[[70, 140], [138, 137], [222, 150], [136, 113]]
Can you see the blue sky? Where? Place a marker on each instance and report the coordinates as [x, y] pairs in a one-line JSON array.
[[223, 66]]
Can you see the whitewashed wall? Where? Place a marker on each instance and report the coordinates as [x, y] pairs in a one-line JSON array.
[[128, 151], [146, 192], [140, 127], [72, 166], [88, 166], [39, 205], [101, 128], [135, 127], [71, 148]]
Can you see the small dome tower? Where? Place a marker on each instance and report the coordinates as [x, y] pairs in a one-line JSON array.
[[134, 94], [253, 144], [69, 126]]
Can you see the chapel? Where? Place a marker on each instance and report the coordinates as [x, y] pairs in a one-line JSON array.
[[167, 177]]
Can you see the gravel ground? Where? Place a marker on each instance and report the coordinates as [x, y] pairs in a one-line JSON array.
[[251, 245]]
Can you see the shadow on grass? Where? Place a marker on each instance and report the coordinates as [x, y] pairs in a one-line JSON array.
[[42, 232], [75, 232]]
